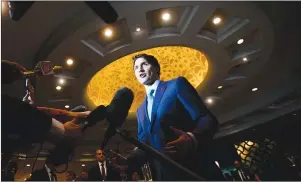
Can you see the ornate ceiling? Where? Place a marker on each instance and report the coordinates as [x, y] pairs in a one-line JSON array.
[[174, 61]]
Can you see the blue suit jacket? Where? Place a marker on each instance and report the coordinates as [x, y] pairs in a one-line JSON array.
[[177, 104]]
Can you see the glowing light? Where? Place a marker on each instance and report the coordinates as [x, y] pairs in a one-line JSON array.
[[108, 32], [254, 89], [209, 101], [62, 81], [245, 59], [166, 16], [240, 41], [58, 88], [220, 87], [27, 165], [217, 20], [187, 62], [69, 61], [83, 165], [67, 106], [138, 29]]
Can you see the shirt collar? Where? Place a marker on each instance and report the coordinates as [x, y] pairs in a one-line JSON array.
[[99, 163], [154, 86]]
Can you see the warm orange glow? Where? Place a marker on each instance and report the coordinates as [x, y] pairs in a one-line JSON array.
[[4, 8], [174, 61]]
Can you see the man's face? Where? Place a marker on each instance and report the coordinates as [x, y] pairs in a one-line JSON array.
[[145, 73], [100, 155]]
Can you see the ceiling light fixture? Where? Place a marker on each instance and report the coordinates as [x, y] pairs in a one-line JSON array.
[[108, 32], [58, 88], [138, 29], [254, 89], [67, 106], [28, 165], [209, 101], [219, 87], [245, 59], [165, 16], [240, 41], [217, 20], [62, 81], [83, 165], [69, 61]]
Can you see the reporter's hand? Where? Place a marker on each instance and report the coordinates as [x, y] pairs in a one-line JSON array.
[[181, 146], [73, 130]]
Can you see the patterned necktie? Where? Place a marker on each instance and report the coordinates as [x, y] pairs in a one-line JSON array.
[[103, 171], [150, 100]]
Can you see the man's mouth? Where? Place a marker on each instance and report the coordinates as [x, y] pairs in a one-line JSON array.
[[142, 75]]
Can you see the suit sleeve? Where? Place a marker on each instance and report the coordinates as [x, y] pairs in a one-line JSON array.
[[206, 122]]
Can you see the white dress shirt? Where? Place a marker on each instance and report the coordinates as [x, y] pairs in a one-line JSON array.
[[100, 167], [154, 87]]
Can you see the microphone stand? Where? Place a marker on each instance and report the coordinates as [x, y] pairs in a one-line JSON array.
[[149, 150]]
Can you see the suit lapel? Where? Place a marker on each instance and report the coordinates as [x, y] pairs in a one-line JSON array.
[[159, 94], [143, 117]]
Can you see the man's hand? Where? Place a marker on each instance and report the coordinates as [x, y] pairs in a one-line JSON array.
[[181, 146], [72, 129]]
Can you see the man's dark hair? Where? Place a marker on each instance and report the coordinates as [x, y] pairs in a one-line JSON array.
[[150, 59]]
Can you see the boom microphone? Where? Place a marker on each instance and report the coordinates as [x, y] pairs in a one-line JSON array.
[[55, 70], [117, 112]]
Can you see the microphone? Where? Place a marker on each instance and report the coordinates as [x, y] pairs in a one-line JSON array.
[[55, 70], [96, 115], [118, 154], [117, 112]]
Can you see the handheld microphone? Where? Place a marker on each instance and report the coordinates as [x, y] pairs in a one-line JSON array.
[[96, 115], [117, 112], [55, 70]]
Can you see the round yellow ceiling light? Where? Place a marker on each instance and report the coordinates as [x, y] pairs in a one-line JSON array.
[[175, 61]]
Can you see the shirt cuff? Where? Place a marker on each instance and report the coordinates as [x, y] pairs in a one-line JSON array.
[[194, 139]]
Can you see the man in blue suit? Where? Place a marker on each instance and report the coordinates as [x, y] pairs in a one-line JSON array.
[[174, 120]]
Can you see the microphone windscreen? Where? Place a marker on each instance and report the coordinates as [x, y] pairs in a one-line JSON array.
[[79, 108], [119, 107], [96, 115]]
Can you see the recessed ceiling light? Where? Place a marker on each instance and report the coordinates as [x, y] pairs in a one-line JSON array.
[[67, 106], [108, 32], [245, 59], [58, 88], [165, 16], [294, 114], [62, 81], [254, 89], [83, 165], [217, 20], [209, 101], [69, 61], [138, 29], [27, 165], [240, 41], [219, 87]]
